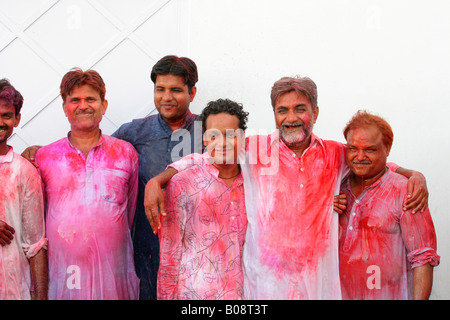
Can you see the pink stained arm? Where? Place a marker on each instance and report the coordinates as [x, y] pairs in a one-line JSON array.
[[171, 248], [417, 199], [154, 203], [419, 237]]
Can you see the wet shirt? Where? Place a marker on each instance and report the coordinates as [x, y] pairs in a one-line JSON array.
[[291, 245], [90, 206], [202, 236], [380, 244], [21, 207], [157, 146]]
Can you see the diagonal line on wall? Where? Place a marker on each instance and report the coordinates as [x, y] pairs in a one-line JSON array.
[[126, 31]]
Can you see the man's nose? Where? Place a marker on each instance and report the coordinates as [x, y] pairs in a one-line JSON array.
[[83, 105], [291, 117], [167, 96], [361, 155]]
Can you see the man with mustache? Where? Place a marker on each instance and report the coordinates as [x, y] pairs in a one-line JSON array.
[[23, 254], [385, 252], [291, 247], [90, 181], [159, 140]]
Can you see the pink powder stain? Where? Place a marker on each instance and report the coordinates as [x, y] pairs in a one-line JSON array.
[[298, 237], [6, 174]]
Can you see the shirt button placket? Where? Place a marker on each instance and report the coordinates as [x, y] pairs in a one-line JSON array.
[[301, 173], [90, 192]]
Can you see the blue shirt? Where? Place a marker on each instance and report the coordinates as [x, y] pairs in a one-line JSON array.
[[157, 147]]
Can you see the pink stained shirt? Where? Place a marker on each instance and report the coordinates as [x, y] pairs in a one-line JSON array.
[[379, 243], [21, 207], [291, 244], [291, 248], [90, 206], [202, 236]]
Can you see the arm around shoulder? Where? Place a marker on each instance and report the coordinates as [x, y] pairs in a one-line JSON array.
[[417, 200], [154, 197]]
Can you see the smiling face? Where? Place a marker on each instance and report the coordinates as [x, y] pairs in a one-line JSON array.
[[366, 153], [84, 108], [8, 121], [172, 97], [295, 118], [223, 138]]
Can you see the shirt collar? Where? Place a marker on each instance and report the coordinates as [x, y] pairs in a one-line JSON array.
[[7, 157], [190, 118], [207, 163], [381, 179], [377, 183], [100, 141]]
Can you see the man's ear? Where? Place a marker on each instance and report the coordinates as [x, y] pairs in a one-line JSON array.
[[18, 117], [206, 141], [316, 113], [193, 93], [64, 108], [104, 106]]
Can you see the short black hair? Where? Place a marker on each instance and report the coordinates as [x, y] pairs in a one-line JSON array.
[[11, 95], [177, 66], [225, 106]]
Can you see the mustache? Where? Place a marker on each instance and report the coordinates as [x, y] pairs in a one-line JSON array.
[[86, 111], [361, 162], [293, 124]]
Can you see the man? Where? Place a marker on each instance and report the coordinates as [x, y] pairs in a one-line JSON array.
[[23, 252], [160, 140], [90, 182], [291, 247], [385, 253], [202, 241]]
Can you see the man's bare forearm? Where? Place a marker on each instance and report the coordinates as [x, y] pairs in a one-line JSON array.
[[422, 282], [39, 275], [164, 177]]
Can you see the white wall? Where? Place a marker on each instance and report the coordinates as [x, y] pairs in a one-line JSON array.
[[40, 40], [390, 57]]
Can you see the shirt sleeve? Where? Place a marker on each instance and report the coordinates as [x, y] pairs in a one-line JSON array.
[[170, 236], [122, 133], [419, 237], [187, 162], [33, 225], [392, 166]]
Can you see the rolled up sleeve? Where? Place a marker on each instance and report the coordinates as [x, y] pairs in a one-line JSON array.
[[420, 238], [33, 225]]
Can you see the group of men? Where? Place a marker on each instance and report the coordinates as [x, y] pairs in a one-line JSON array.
[[231, 224]]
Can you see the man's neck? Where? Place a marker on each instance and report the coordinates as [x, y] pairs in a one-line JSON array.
[[4, 149], [177, 123], [300, 149], [84, 141], [228, 172], [360, 183]]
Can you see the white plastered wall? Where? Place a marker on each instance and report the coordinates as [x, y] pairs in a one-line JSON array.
[[389, 57]]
